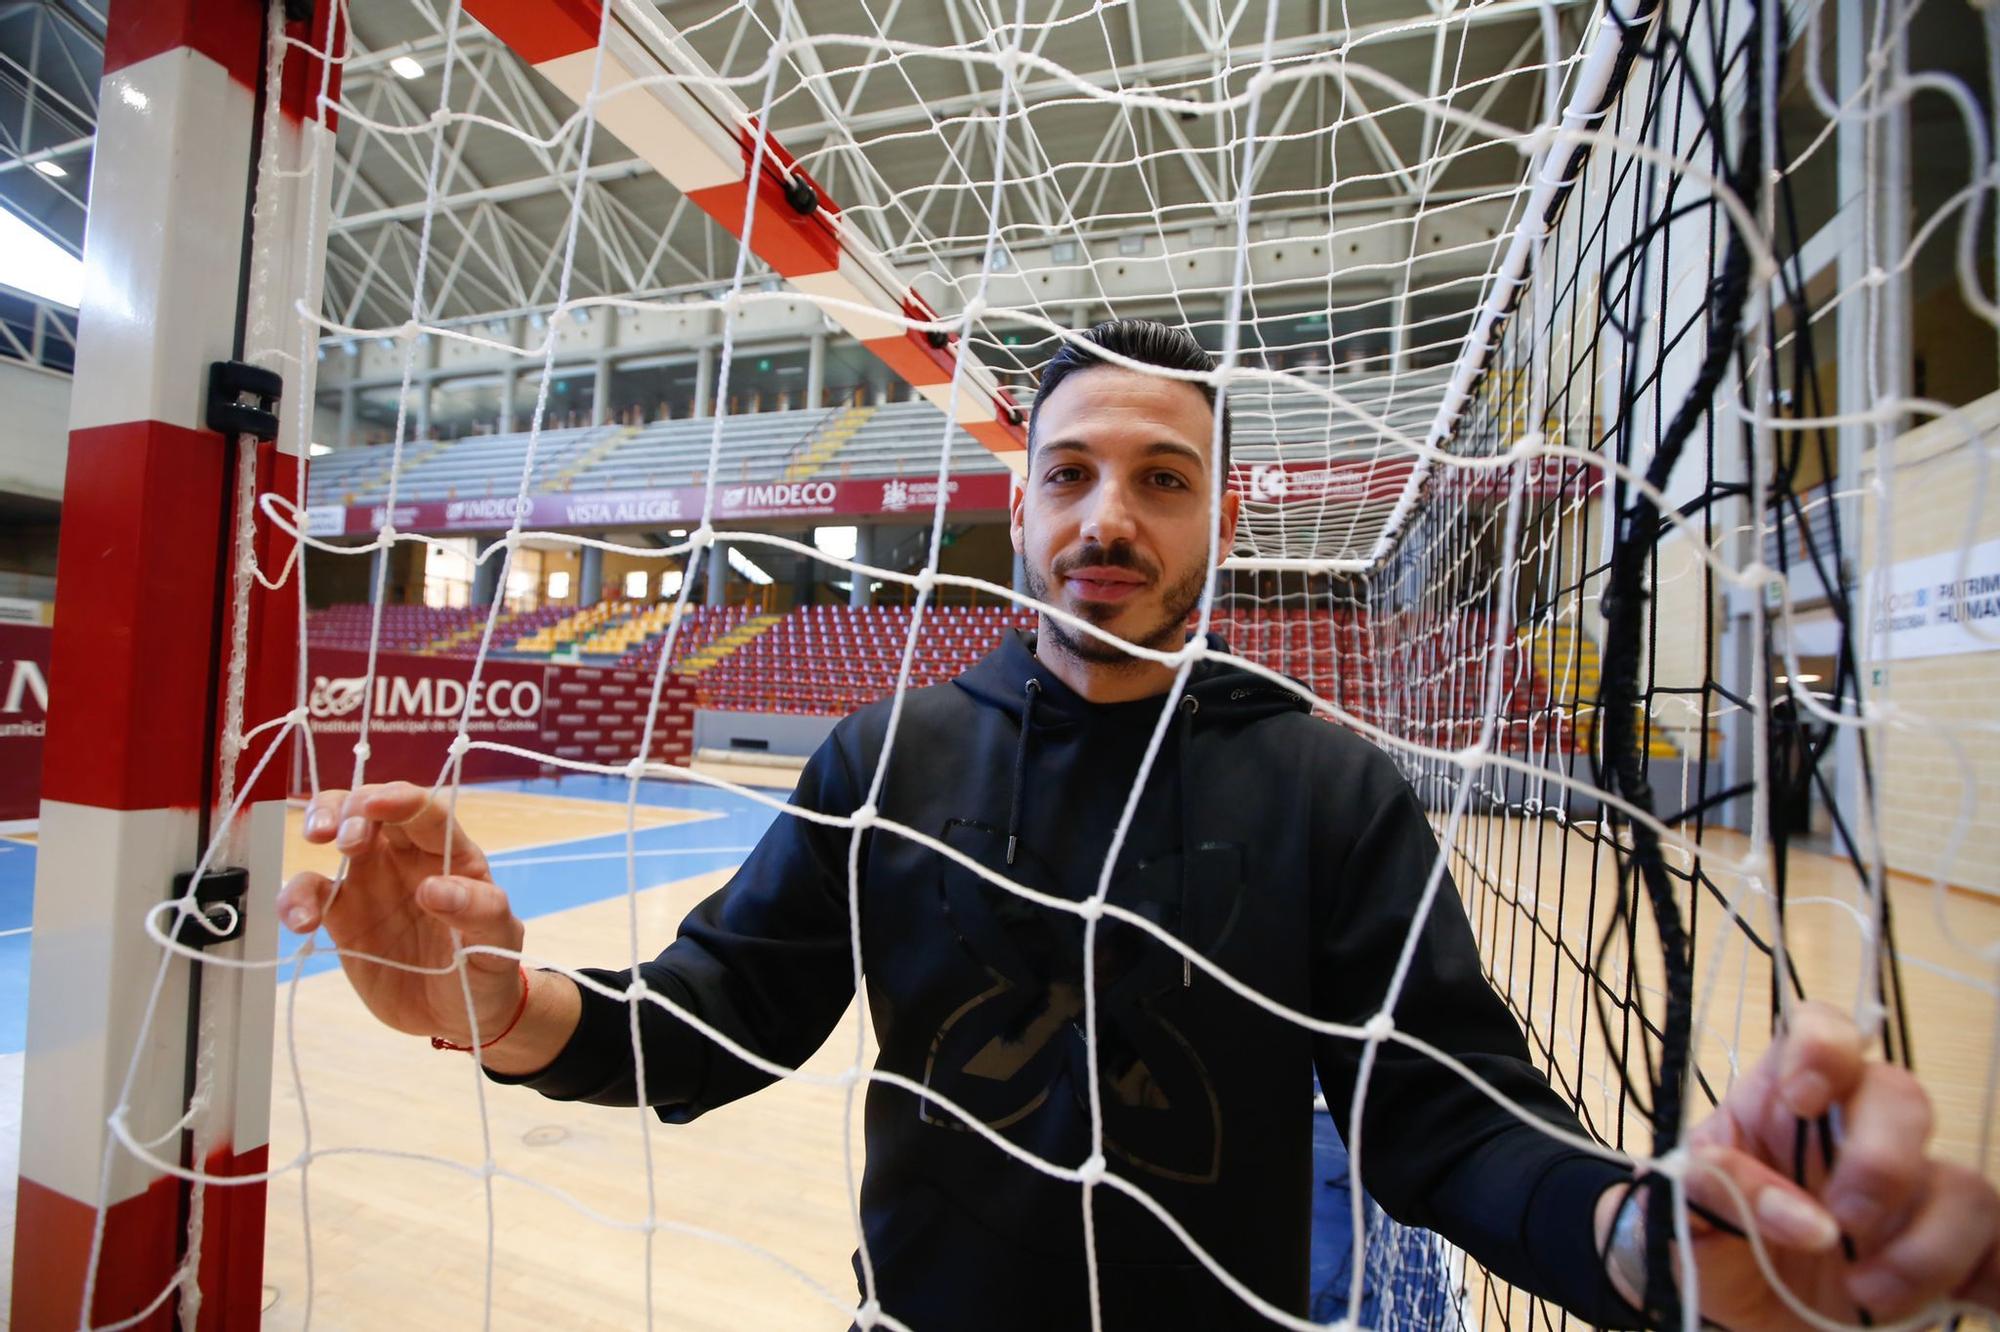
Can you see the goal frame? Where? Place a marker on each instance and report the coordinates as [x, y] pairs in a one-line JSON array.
[[167, 655]]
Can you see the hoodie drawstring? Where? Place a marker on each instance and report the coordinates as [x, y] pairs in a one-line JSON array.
[[1034, 692], [1189, 706]]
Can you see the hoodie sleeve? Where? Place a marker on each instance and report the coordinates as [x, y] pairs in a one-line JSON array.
[[1430, 1148], [765, 960]]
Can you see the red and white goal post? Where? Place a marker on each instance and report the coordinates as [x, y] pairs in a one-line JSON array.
[[175, 674]]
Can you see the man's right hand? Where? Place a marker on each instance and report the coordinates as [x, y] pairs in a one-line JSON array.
[[398, 903]]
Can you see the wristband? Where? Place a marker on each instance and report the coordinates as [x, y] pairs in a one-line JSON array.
[[440, 1043]]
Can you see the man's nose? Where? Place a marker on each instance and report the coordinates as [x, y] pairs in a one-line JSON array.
[[1110, 518]]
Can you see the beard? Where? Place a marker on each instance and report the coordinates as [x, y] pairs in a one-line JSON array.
[[1177, 601]]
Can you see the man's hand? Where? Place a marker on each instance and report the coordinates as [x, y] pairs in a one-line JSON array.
[[398, 903], [1921, 1230]]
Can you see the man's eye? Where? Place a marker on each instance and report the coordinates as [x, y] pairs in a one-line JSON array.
[[1171, 480], [1062, 476]]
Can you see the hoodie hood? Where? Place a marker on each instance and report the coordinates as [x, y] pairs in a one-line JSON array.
[[1220, 691], [1014, 681]]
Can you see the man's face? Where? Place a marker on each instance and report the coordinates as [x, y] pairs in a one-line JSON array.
[[1112, 523]]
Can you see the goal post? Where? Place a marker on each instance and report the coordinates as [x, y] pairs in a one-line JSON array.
[[169, 658]]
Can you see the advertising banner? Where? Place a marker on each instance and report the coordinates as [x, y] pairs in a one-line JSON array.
[[24, 708], [415, 713], [679, 505], [1931, 609], [585, 713]]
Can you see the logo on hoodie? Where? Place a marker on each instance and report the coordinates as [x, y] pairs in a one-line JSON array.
[[1017, 1045]]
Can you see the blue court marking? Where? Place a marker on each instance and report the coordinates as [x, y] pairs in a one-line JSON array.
[[541, 880], [17, 909]]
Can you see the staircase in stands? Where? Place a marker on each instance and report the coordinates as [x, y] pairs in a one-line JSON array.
[[414, 452], [827, 441], [574, 627], [447, 644], [589, 458], [727, 645]]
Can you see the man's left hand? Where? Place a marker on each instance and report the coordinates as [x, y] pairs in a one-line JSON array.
[[1922, 1231]]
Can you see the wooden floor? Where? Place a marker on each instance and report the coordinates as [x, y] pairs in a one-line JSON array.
[[403, 1242]]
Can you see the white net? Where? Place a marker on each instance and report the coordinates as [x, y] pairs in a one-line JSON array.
[[1548, 470]]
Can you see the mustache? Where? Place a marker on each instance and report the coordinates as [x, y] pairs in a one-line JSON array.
[[1118, 556]]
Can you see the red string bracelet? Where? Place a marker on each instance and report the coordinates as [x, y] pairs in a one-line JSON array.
[[440, 1043]]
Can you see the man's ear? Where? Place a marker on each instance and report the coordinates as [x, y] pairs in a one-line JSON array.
[[1015, 502], [1225, 536]]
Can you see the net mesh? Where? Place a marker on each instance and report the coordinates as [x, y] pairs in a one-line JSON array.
[[1512, 320]]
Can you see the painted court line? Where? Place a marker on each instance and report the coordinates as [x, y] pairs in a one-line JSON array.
[[512, 862]]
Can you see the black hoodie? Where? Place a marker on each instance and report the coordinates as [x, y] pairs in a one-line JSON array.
[[1288, 851]]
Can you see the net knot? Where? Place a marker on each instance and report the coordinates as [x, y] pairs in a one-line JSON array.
[[459, 744], [865, 815], [925, 581], [361, 751], [1091, 1172], [1671, 1165], [868, 1314], [1380, 1027], [386, 535], [298, 716], [635, 768], [410, 328], [1090, 908], [701, 538]]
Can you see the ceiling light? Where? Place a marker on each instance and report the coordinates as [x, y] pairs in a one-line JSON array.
[[318, 450], [53, 170], [407, 67], [133, 98]]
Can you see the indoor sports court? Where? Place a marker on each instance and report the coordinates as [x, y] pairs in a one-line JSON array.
[[1085, 665]]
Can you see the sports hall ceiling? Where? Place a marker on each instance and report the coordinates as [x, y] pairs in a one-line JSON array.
[[905, 144]]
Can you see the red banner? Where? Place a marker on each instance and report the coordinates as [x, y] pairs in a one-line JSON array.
[[680, 506], [569, 712], [24, 707], [1375, 480]]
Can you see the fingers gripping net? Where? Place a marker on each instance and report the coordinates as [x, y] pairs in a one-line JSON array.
[[1501, 304]]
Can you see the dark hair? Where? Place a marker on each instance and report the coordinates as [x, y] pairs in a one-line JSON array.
[[1146, 341]]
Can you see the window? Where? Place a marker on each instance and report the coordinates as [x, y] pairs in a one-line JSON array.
[[670, 583], [835, 541], [559, 585], [448, 573], [635, 585]]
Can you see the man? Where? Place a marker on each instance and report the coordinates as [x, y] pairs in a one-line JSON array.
[[1286, 851]]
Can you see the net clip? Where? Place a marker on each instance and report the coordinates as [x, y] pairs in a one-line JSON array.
[[218, 913], [229, 384]]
